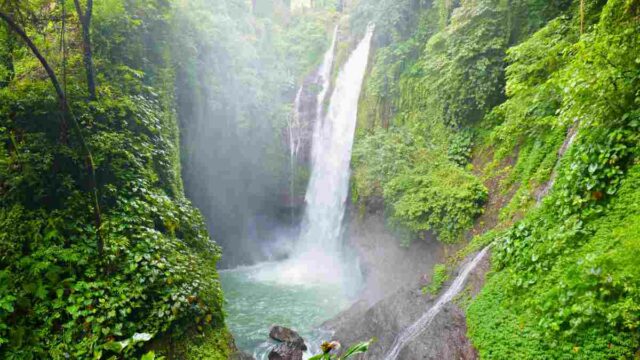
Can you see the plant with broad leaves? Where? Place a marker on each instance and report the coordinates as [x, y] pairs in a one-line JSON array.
[[327, 347]]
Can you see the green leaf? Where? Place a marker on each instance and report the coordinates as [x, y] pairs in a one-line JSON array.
[[149, 356], [116, 346], [357, 349], [320, 357]]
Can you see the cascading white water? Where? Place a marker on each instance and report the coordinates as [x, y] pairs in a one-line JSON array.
[[318, 251], [568, 141], [317, 255], [418, 327]]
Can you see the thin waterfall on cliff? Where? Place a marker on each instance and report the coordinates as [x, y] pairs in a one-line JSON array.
[[294, 147], [324, 78], [304, 114], [421, 324]]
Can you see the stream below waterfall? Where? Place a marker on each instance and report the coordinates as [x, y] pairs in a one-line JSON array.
[[253, 304]]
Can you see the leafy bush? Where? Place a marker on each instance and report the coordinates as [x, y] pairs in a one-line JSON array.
[[422, 189], [460, 148], [442, 198], [158, 268]]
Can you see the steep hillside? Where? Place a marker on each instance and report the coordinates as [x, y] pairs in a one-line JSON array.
[[528, 112]]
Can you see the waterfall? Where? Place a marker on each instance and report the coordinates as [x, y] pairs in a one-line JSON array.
[[324, 78], [568, 141], [319, 246], [317, 255], [410, 333]]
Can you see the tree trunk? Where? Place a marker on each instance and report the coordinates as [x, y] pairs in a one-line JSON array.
[[66, 114], [87, 58]]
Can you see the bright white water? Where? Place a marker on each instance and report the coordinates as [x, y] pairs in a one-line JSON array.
[[317, 256], [313, 285], [418, 327], [568, 141], [324, 78]]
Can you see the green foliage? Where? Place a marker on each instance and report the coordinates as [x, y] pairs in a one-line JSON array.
[[213, 344], [438, 197], [305, 41], [459, 76], [429, 87], [440, 275], [158, 256], [564, 284], [422, 189], [460, 147]]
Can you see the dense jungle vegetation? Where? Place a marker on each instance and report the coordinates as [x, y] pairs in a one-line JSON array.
[[470, 100], [513, 124], [101, 253]]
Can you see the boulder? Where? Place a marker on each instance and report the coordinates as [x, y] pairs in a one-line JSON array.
[[287, 336], [285, 351]]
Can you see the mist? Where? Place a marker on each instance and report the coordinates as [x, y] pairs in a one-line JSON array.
[[234, 100]]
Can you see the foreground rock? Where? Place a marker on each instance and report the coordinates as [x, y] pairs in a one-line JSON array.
[[286, 335], [291, 347], [284, 351]]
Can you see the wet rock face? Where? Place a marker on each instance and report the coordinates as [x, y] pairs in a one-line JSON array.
[[291, 344]]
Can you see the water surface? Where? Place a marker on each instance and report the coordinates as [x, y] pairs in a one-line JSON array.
[[253, 304]]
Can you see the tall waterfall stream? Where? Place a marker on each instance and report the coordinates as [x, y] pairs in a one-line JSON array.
[[317, 280]]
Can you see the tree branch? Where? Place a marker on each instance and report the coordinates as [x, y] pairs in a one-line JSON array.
[[79, 10], [85, 21]]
